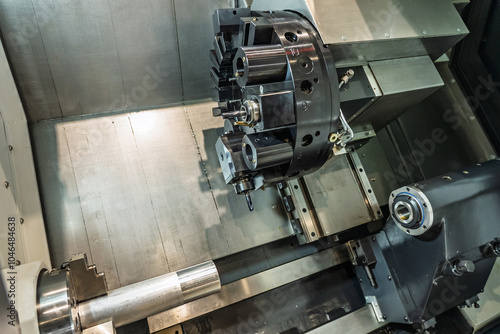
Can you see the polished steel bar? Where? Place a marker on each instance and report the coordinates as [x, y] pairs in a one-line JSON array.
[[199, 281], [140, 300], [250, 286]]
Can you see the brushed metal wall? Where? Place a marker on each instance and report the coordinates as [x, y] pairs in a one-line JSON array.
[[73, 57], [142, 193]]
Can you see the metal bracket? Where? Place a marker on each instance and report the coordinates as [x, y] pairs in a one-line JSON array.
[[105, 328], [363, 255], [177, 329], [300, 212], [363, 133], [87, 282], [304, 211], [361, 136], [372, 300], [364, 183]]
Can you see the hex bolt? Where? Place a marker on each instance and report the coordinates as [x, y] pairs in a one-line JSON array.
[[21, 220], [463, 266], [389, 278], [7, 184], [11, 148]]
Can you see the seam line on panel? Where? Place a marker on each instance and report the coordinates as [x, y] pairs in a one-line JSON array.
[[178, 50], [119, 58], [149, 193], [49, 65], [79, 196], [110, 243], [206, 174], [408, 143]]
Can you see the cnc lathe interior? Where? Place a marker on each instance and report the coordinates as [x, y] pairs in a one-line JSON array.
[[343, 179]]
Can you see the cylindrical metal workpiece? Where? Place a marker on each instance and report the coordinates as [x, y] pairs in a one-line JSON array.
[[138, 301], [260, 64], [198, 281]]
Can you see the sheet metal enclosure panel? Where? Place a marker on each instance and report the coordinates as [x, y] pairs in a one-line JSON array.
[[443, 132], [390, 28], [85, 68], [336, 197], [196, 36], [28, 59], [437, 135], [404, 82], [19, 196], [72, 58], [376, 165], [8, 206], [146, 43], [359, 92], [143, 195]]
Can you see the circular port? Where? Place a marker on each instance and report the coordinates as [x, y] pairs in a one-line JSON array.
[[306, 86], [306, 140], [306, 64], [291, 37], [404, 212]]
